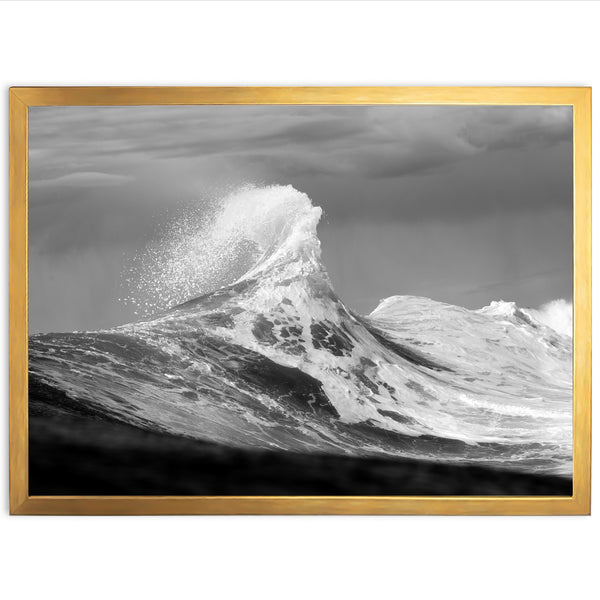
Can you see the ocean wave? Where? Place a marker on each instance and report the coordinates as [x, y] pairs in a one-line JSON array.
[[269, 356]]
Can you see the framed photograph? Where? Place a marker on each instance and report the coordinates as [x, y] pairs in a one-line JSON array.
[[300, 300]]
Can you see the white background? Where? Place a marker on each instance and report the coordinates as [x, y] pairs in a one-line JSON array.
[[337, 43]]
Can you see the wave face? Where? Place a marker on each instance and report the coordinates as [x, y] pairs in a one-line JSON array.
[[275, 359]]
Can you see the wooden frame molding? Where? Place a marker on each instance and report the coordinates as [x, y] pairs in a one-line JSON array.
[[22, 503]]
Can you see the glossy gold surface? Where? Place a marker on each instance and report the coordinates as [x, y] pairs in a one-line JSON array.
[[22, 503]]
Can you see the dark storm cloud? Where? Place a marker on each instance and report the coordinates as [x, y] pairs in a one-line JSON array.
[[370, 141], [318, 130], [498, 128], [393, 161], [516, 180], [82, 179]]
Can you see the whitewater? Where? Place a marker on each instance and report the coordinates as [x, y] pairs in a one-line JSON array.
[[274, 359]]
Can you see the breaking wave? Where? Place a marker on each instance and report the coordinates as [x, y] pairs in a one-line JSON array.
[[218, 243], [266, 355], [557, 314]]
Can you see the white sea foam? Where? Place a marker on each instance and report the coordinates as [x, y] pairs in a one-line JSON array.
[[557, 314]]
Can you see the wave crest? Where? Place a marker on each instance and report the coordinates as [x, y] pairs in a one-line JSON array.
[[557, 314], [234, 237]]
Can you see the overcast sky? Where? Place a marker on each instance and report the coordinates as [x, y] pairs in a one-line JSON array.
[[461, 204]]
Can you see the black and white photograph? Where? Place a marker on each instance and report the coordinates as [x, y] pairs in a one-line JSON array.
[[248, 300]]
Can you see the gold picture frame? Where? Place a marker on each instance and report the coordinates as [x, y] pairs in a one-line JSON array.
[[21, 98]]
